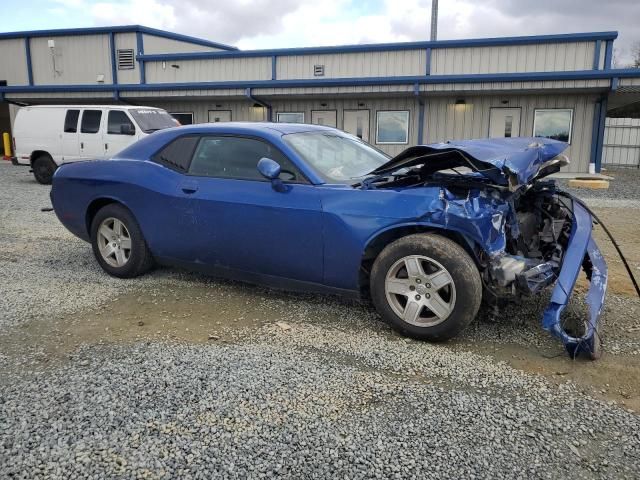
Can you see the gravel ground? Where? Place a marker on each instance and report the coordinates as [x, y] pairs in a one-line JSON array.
[[339, 397], [623, 191]]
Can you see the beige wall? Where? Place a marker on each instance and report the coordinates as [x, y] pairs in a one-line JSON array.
[[13, 61]]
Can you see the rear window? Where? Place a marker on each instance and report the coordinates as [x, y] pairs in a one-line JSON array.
[[177, 155], [71, 121], [91, 121]]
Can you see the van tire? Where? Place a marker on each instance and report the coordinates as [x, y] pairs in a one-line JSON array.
[[43, 168]]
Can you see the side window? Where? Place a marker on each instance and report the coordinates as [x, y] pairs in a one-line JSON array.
[[118, 123], [237, 157], [177, 154], [91, 121], [71, 121]]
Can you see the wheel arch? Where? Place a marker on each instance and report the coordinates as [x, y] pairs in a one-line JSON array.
[[95, 206], [378, 241], [38, 153]]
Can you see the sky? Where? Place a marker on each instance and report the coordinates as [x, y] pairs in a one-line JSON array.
[[250, 24]]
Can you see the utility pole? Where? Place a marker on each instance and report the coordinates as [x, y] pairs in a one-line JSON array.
[[434, 20]]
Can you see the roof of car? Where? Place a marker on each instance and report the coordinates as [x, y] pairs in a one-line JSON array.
[[114, 106], [247, 127]]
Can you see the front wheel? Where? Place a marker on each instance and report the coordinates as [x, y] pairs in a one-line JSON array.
[[118, 244], [426, 287]]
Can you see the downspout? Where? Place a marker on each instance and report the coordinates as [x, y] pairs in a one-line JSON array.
[[248, 94], [416, 92]]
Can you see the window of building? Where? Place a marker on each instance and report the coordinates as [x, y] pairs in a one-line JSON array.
[[126, 59], [185, 118], [177, 155], [71, 121], [91, 121], [392, 127], [237, 157], [291, 117], [555, 123], [118, 123]]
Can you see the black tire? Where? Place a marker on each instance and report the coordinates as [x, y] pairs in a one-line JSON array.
[[43, 168], [140, 259], [461, 269]]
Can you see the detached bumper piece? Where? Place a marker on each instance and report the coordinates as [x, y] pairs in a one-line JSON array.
[[582, 252]]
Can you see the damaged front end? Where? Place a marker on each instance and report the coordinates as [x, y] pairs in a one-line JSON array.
[[526, 234]]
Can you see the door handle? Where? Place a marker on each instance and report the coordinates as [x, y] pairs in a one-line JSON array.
[[189, 187], [81, 144], [106, 146]]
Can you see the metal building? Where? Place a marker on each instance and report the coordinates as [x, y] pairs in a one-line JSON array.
[[392, 95]]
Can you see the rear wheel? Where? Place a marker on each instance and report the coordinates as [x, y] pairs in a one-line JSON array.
[[426, 287], [118, 244], [43, 169]]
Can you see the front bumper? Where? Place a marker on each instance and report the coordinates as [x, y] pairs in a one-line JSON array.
[[581, 253]]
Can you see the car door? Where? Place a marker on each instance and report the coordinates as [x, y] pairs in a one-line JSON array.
[[70, 142], [119, 134], [240, 222], [90, 138]]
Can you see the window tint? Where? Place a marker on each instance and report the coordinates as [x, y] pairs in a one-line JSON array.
[[115, 120], [71, 121], [91, 121], [236, 157], [183, 118], [177, 154]]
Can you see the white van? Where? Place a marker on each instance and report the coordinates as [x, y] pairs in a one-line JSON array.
[[46, 136]]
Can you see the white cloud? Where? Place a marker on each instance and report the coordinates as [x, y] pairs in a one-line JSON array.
[[151, 13]]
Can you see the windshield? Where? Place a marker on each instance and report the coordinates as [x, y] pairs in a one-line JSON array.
[[337, 157], [150, 120]]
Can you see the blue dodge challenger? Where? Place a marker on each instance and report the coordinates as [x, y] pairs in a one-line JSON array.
[[428, 234]]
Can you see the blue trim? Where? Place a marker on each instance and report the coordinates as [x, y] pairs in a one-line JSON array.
[[420, 121], [596, 55], [403, 80], [608, 55], [428, 59], [27, 51], [274, 67], [479, 42], [601, 123], [116, 29], [594, 131], [140, 52], [114, 67]]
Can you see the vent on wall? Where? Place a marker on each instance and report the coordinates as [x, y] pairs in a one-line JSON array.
[[126, 59], [318, 70]]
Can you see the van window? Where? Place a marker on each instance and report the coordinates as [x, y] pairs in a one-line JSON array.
[[71, 121], [91, 121], [115, 120]]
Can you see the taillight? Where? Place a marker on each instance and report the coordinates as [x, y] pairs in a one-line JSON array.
[[14, 145]]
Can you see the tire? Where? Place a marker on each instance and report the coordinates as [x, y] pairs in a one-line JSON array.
[[131, 256], [435, 277], [43, 169]]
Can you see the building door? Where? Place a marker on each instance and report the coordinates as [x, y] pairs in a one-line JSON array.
[[356, 122], [504, 122], [216, 116], [328, 118]]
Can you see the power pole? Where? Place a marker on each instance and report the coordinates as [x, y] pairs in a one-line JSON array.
[[434, 20]]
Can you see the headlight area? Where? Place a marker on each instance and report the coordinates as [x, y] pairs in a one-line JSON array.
[[549, 242]]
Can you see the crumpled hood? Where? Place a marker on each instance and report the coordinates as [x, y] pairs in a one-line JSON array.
[[503, 160]]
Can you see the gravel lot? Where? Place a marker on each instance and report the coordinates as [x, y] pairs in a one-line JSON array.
[[179, 376]]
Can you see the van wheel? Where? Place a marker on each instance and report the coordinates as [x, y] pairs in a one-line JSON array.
[[43, 169], [426, 286], [118, 244]]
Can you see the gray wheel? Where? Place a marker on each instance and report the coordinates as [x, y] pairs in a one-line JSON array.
[[420, 290], [43, 169], [114, 242], [426, 286]]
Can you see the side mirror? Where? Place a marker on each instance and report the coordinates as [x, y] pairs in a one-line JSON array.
[[270, 169], [127, 129]]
